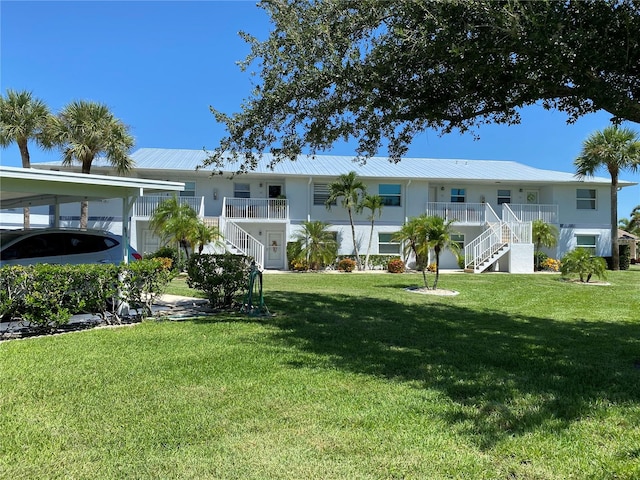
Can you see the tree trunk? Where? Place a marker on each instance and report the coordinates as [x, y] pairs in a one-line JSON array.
[[353, 235], [84, 214], [26, 163], [366, 260], [435, 283], [615, 250]]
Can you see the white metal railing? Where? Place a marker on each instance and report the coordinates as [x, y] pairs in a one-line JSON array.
[[473, 213], [496, 236], [242, 241], [255, 208], [508, 215], [146, 205], [529, 213]]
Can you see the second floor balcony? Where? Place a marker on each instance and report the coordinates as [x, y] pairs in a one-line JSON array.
[[255, 209], [147, 204], [481, 213]]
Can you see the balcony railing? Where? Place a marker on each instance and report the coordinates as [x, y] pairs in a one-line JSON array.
[[470, 213], [255, 208], [529, 213], [147, 204]]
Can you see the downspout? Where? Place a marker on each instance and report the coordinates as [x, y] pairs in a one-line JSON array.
[[406, 201], [309, 199]]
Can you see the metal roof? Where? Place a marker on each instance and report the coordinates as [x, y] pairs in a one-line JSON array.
[[433, 169]]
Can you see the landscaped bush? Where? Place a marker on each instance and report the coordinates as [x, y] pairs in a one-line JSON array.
[[167, 252], [580, 262], [625, 258], [145, 280], [539, 258], [48, 295], [551, 265], [379, 262], [395, 265], [221, 276], [346, 265]]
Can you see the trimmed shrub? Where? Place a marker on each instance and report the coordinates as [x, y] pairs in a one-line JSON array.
[[220, 276], [580, 262], [167, 252], [395, 265], [145, 280], [346, 265], [551, 265]]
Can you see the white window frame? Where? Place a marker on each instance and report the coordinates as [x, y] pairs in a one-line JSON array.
[[504, 196], [460, 195], [593, 248], [588, 202], [389, 243], [390, 199], [189, 189], [241, 190]]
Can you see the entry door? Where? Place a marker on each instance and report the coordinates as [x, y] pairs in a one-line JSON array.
[[274, 190], [274, 257]]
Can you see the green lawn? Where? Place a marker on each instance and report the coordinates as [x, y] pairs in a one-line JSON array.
[[518, 377]]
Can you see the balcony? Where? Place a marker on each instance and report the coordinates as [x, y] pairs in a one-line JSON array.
[[529, 213], [255, 209], [466, 213], [147, 204]]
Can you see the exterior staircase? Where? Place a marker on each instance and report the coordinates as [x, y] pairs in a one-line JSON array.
[[240, 242]]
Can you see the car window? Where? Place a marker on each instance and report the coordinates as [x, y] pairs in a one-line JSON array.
[[83, 243], [35, 246]]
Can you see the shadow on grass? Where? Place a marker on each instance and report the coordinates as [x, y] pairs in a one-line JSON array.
[[506, 375]]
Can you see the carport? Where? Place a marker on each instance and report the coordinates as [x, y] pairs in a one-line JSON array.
[[28, 187]]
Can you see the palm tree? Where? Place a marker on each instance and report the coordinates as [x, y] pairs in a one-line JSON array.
[[544, 234], [438, 235], [374, 203], [350, 189], [203, 235], [413, 236], [317, 244], [175, 222], [23, 118], [87, 129], [632, 224], [615, 149]]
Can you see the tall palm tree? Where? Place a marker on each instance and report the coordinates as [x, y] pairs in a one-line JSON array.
[[317, 244], [632, 224], [614, 148], [439, 237], [175, 222], [85, 130], [23, 118], [544, 235], [349, 188], [374, 204]]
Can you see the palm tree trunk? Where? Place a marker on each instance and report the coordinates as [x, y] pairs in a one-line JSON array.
[[84, 214], [615, 250], [435, 283], [366, 260], [26, 163], [353, 235]]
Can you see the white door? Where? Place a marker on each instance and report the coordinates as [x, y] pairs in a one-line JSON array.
[[274, 254]]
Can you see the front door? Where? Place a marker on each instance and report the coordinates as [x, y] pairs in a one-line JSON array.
[[274, 257]]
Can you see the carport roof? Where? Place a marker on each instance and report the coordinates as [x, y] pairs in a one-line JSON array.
[[25, 187]]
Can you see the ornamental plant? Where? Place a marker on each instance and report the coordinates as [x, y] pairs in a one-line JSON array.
[[346, 265], [395, 265], [580, 262]]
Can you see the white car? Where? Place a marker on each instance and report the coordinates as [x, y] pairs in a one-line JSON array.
[[61, 246]]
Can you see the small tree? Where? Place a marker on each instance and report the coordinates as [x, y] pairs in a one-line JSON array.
[[175, 222], [544, 234], [203, 235], [438, 236], [579, 261]]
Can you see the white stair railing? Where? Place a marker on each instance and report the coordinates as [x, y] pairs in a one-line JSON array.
[[484, 246], [242, 241]]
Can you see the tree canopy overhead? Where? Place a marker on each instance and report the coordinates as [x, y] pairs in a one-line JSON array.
[[380, 72]]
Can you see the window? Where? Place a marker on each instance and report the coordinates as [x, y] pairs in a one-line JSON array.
[[189, 189], [321, 194], [391, 194], [504, 196], [586, 199], [587, 241], [241, 190], [457, 195], [386, 245], [458, 239]]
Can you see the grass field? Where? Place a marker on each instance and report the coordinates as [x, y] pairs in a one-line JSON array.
[[517, 377]]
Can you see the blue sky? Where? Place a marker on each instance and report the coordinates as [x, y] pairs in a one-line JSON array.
[[159, 65]]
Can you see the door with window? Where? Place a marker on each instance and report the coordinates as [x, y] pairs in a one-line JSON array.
[[274, 250]]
